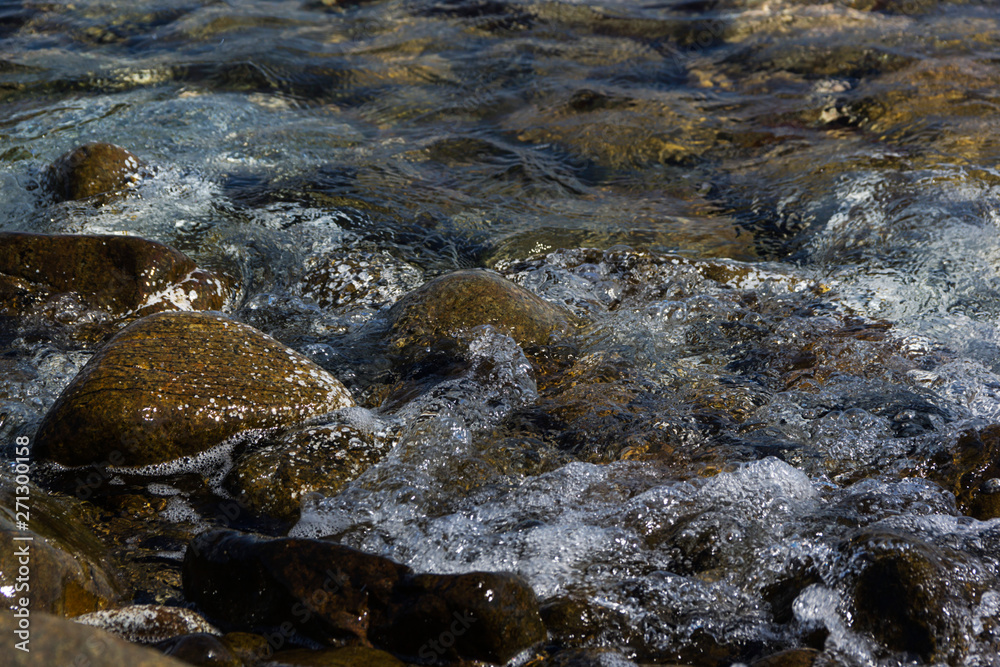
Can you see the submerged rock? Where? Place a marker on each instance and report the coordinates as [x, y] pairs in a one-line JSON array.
[[68, 569], [274, 478], [907, 596], [177, 384], [94, 282], [332, 593], [93, 169], [58, 641], [461, 300]]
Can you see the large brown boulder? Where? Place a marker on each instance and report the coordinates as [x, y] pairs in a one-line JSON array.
[[176, 384], [461, 300], [97, 281], [93, 169], [333, 593]]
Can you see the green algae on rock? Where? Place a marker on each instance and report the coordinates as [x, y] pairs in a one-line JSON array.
[[93, 169], [464, 299], [332, 593], [176, 384], [67, 279]]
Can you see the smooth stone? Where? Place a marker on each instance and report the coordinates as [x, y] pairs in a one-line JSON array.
[[90, 279], [349, 656], [59, 641], [69, 567], [177, 384], [333, 593], [97, 168], [273, 479], [202, 649], [449, 304], [148, 623]]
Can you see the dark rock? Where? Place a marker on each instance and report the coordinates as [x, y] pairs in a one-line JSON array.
[[58, 641], [588, 657], [248, 647], [97, 281], [480, 615], [176, 384], [320, 589], [148, 623], [968, 470], [906, 595], [796, 657], [273, 479], [94, 169], [461, 300], [349, 656], [332, 593], [200, 649], [69, 568]]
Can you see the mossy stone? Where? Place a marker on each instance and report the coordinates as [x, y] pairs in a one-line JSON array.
[[176, 384]]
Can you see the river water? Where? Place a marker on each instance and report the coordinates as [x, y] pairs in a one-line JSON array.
[[778, 219]]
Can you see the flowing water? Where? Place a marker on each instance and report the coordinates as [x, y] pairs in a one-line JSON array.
[[777, 218]]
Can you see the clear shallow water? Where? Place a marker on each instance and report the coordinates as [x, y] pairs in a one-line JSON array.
[[792, 295]]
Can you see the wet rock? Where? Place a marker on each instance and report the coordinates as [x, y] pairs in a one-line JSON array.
[[349, 656], [201, 649], [464, 299], [148, 623], [95, 282], [480, 615], [356, 279], [248, 647], [273, 479], [94, 169], [332, 593], [796, 657], [906, 596], [320, 589], [69, 568], [176, 384], [58, 641], [588, 657], [970, 469]]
